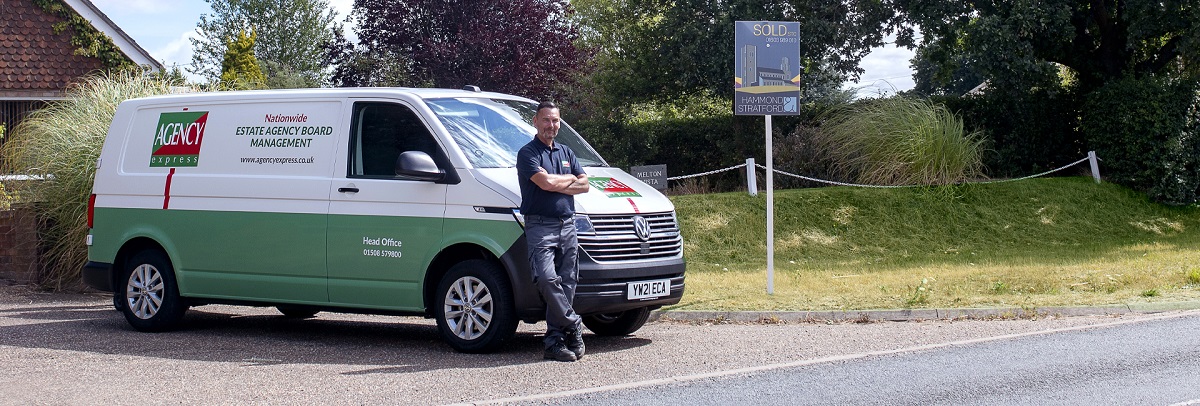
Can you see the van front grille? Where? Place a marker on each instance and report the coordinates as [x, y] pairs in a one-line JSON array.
[[614, 238]]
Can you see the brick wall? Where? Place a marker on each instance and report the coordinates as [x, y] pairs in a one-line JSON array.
[[18, 245]]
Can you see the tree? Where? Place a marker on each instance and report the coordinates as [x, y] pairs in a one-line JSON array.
[[280, 76], [934, 76], [172, 75], [239, 69], [1018, 43], [361, 66], [292, 35], [1111, 72], [649, 49], [521, 47]]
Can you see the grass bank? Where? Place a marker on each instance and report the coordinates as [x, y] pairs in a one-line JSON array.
[[1033, 243]]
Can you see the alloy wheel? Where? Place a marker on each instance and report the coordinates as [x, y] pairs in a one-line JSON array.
[[144, 291], [468, 308]]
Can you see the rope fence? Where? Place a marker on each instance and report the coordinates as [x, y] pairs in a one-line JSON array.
[[1091, 157], [709, 172]]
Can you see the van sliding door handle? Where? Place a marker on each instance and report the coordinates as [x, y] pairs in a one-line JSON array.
[[348, 190]]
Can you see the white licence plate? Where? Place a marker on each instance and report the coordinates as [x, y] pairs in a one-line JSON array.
[[648, 289]]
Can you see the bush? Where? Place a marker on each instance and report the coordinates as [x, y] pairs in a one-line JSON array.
[[692, 134], [1147, 132], [61, 143], [1025, 132], [6, 199], [699, 133], [900, 141], [799, 153]]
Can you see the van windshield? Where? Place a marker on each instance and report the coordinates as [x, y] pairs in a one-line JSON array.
[[491, 131]]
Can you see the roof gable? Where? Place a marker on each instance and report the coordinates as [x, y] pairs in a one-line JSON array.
[[128, 46]]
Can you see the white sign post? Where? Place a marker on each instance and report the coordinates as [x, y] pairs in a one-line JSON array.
[[767, 72], [770, 210]]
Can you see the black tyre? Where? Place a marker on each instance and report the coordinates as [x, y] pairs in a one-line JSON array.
[[474, 307], [617, 324], [297, 312], [147, 293]]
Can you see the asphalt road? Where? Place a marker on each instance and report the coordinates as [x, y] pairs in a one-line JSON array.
[[1153, 361], [75, 349]]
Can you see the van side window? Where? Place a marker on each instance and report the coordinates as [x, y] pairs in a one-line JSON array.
[[381, 131]]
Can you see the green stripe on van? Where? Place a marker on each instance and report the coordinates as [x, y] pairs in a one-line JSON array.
[[227, 254], [374, 262]]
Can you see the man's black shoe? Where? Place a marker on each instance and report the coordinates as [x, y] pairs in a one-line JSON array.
[[559, 352], [575, 342]]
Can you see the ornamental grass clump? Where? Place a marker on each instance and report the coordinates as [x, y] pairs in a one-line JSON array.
[[58, 147], [901, 141]]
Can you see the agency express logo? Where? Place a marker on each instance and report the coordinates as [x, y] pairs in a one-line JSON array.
[[612, 187], [177, 139]]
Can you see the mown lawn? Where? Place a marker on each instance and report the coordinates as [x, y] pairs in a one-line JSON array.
[[1032, 243]]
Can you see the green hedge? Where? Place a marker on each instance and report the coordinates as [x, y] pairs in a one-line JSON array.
[[1146, 132], [699, 133], [690, 135], [1026, 132]]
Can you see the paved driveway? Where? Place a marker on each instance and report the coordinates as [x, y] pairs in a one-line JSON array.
[[75, 349]]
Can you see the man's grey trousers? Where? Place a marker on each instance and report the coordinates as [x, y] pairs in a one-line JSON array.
[[554, 262]]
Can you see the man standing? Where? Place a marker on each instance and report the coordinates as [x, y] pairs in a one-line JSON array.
[[550, 177]]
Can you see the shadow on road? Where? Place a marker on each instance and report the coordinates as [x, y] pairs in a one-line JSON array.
[[255, 336]]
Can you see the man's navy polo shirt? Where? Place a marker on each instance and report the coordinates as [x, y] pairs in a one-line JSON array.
[[557, 161]]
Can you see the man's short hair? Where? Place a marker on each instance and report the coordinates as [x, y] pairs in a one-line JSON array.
[[546, 105]]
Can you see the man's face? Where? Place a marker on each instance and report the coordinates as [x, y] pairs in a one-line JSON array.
[[547, 123]]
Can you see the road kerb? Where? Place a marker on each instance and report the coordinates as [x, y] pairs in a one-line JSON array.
[[768, 317]]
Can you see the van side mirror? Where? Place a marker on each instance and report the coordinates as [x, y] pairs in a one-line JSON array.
[[417, 165]]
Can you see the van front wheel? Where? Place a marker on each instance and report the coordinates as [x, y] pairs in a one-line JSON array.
[[474, 307], [150, 298]]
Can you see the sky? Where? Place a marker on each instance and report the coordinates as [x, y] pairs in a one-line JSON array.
[[162, 28]]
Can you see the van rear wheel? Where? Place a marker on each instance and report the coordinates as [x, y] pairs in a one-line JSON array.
[[150, 298], [474, 307], [619, 323]]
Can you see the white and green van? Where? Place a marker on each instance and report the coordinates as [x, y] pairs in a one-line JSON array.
[[372, 200]]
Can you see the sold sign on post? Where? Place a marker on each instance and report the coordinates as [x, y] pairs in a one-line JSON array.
[[767, 81], [767, 68]]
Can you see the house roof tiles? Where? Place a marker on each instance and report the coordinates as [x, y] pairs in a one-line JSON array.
[[33, 59]]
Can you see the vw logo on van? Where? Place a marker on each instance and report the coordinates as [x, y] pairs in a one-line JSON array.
[[641, 227]]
